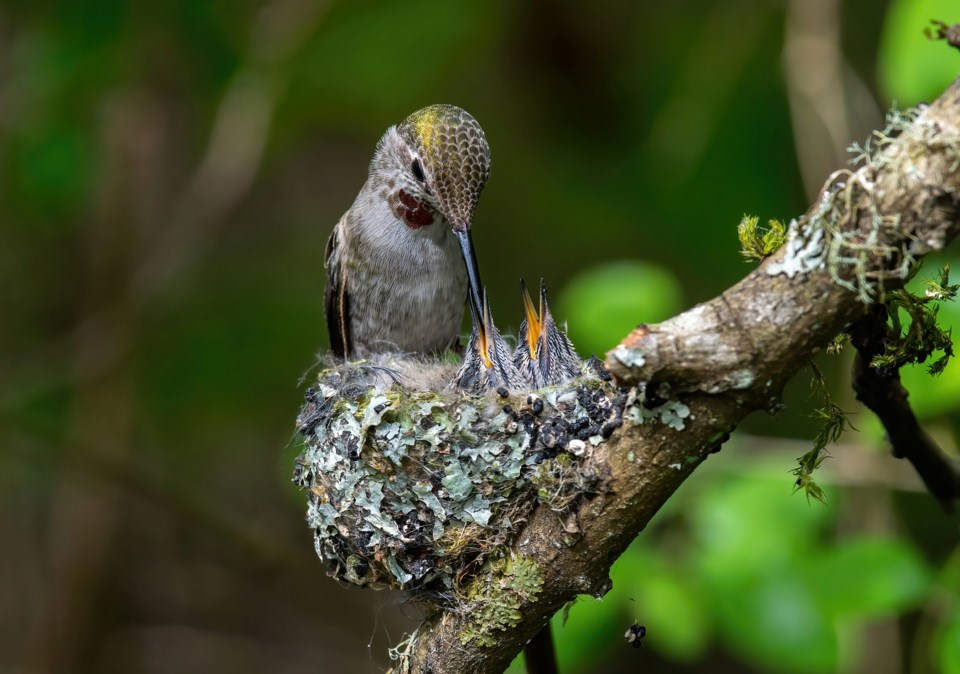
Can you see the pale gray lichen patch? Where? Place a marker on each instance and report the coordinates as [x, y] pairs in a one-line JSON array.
[[672, 413], [804, 252], [741, 379], [629, 357]]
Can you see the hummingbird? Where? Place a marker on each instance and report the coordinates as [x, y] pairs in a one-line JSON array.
[[400, 263]]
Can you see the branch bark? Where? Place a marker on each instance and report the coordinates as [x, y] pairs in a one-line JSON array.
[[731, 356]]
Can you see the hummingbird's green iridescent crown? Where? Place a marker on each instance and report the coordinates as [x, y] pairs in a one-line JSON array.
[[455, 156]]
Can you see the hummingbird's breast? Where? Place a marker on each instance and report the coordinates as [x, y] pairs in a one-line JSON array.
[[407, 286]]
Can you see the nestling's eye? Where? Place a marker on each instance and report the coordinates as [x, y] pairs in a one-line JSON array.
[[417, 169]]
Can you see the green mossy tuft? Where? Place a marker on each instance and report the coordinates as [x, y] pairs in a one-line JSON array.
[[493, 598], [912, 332], [912, 336], [833, 422], [758, 243]]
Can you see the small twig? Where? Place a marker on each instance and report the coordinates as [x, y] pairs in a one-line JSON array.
[[944, 32], [881, 391]]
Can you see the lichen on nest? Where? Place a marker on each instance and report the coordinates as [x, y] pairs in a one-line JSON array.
[[414, 488]]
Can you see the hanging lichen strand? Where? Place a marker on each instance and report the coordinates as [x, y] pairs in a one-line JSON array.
[[412, 488]]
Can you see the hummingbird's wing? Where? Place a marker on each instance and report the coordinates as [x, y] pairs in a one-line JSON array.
[[336, 300]]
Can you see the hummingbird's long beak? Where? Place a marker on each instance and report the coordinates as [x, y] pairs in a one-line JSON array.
[[473, 275]]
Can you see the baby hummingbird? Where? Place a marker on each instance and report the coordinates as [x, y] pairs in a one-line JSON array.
[[400, 262]]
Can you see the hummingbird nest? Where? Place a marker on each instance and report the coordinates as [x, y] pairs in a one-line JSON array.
[[413, 483]]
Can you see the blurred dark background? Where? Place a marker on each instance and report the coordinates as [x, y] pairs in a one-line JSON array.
[[169, 173]]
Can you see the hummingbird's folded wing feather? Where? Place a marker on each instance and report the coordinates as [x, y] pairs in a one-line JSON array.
[[336, 301]]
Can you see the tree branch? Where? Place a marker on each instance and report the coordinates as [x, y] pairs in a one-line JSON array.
[[728, 357]]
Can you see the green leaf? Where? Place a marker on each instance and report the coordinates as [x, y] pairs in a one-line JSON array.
[[744, 525], [869, 577], [913, 68], [604, 303], [647, 588]]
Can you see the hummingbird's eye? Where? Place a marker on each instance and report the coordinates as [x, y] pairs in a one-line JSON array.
[[417, 169]]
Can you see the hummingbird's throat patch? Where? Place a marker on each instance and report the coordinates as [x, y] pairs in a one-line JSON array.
[[412, 211]]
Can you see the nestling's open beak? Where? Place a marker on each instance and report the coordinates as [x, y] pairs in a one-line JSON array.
[[534, 326], [556, 358], [484, 331], [473, 276]]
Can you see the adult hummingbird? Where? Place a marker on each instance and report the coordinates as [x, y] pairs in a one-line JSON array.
[[400, 262]]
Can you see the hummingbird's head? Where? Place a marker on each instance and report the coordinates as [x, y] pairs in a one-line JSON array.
[[449, 160], [436, 162]]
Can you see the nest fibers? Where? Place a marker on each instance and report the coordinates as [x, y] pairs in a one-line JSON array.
[[412, 484]]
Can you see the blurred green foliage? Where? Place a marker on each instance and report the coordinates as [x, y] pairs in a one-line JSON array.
[[169, 173], [602, 304], [739, 563], [947, 650]]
